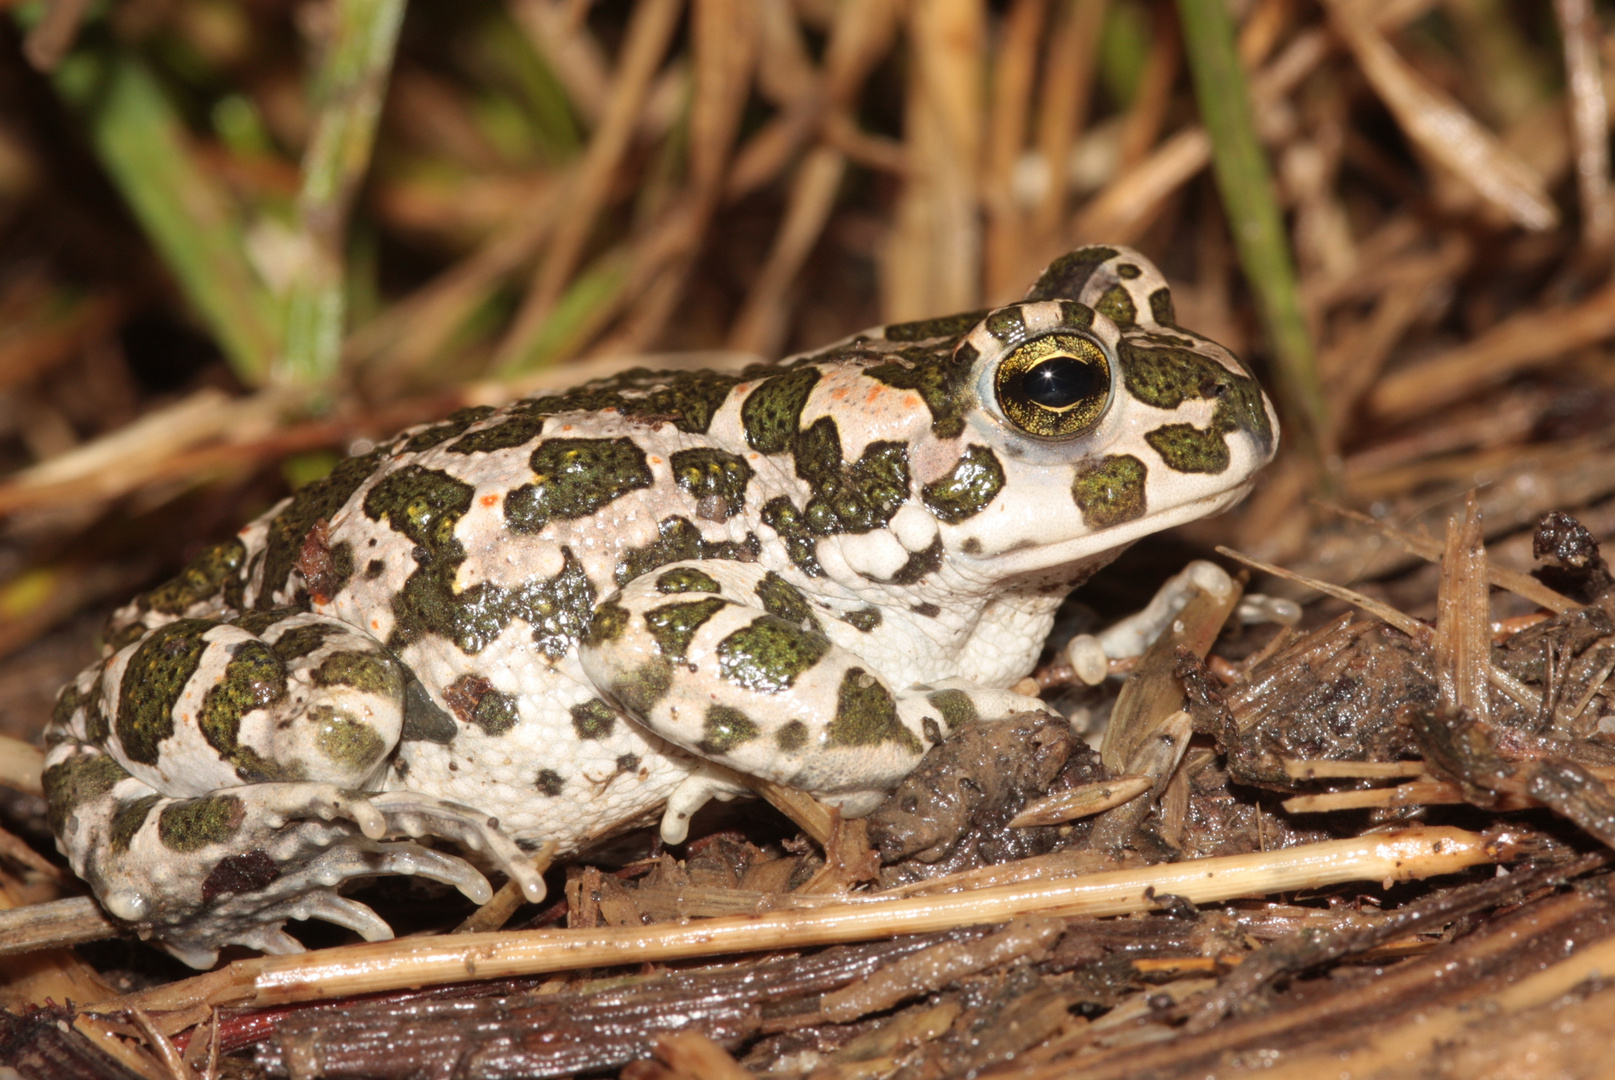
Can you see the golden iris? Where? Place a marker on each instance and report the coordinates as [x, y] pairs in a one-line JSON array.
[[1055, 386]]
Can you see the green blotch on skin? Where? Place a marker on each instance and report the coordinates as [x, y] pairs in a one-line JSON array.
[[965, 492], [345, 741], [255, 678], [780, 597], [956, 707], [1117, 305], [855, 498], [679, 540], [425, 506], [768, 655], [792, 736], [512, 431], [638, 691], [1128, 271], [80, 779], [1007, 325], [684, 579], [1066, 276], [933, 733], [708, 474], [784, 518], [1110, 492], [1187, 449], [447, 428], [152, 683], [946, 326], [609, 621], [593, 719], [724, 728], [1161, 309], [573, 478], [196, 823], [919, 564], [128, 820], [673, 625], [1159, 371], [367, 672], [70, 701], [938, 375], [864, 619], [299, 641], [866, 715], [686, 399], [772, 412], [203, 578], [319, 501], [495, 713], [549, 782]]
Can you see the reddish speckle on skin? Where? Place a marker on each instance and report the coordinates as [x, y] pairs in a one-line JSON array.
[[838, 393], [489, 500], [566, 427], [655, 460], [874, 395], [375, 624]]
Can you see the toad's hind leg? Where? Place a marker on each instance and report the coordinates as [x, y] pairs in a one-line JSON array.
[[732, 663], [209, 782]]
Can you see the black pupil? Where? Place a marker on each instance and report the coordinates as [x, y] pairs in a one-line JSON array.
[[1059, 382]]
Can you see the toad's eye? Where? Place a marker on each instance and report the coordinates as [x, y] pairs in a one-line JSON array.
[[1055, 386]]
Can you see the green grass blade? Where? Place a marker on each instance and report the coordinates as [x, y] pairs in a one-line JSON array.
[[1251, 203]]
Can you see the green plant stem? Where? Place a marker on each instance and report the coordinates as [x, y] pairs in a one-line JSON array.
[[1250, 201], [350, 86]]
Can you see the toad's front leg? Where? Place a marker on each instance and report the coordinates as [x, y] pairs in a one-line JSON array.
[[731, 662], [209, 780]]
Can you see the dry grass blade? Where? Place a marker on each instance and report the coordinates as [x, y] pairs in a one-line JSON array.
[[1441, 127], [1400, 856], [1068, 79], [1463, 638], [1081, 802], [21, 765], [56, 924], [1589, 121]]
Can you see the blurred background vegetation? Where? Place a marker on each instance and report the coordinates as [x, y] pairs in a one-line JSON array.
[[239, 239]]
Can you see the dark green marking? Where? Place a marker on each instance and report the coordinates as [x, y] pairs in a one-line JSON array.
[[193, 824], [117, 640], [549, 782], [496, 712], [938, 375], [769, 654], [609, 621], [1117, 305], [965, 492], [683, 579], [792, 736], [203, 578], [1161, 309], [866, 715], [593, 719], [1110, 492], [1159, 372], [447, 428], [80, 779], [1066, 276], [255, 678], [714, 478], [1187, 449], [781, 598], [1007, 325], [956, 707], [919, 564], [369, 672], [425, 505], [638, 691], [345, 741], [319, 501], [299, 641], [679, 540], [1128, 271], [152, 683], [127, 821], [512, 431], [784, 518], [686, 399], [573, 478], [1075, 316], [864, 619], [932, 730], [256, 622], [723, 729], [946, 326], [772, 412], [673, 625], [855, 498]]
